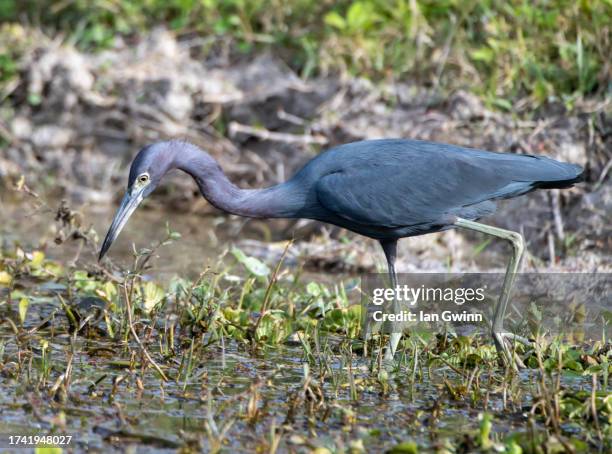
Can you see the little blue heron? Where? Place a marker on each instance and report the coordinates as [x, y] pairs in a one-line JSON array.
[[382, 189]]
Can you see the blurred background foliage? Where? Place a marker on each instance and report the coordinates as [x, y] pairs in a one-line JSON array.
[[503, 50]]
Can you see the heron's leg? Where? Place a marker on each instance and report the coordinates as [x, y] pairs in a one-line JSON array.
[[390, 249], [518, 246]]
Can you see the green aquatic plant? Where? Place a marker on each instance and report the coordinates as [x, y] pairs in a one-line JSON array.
[[271, 359]]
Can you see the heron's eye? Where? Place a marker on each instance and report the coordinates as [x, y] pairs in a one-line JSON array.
[[142, 179]]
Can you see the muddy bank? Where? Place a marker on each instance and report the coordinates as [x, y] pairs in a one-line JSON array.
[[77, 119]]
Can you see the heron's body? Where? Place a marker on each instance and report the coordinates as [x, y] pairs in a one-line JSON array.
[[383, 189], [390, 189]]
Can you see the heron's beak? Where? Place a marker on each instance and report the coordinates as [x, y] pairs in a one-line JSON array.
[[129, 203]]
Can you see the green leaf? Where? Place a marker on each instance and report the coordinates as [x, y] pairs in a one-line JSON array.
[[406, 447], [334, 19], [595, 369], [23, 309], [253, 265], [360, 15], [573, 365], [513, 448], [109, 291], [48, 450], [355, 311], [152, 296], [37, 259], [485, 430], [503, 104], [5, 279], [484, 54], [313, 289]]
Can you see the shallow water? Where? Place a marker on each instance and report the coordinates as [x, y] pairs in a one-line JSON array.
[[154, 419], [160, 421], [203, 238], [107, 409], [204, 242]]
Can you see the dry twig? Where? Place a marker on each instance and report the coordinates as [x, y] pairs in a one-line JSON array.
[[137, 339], [264, 134]]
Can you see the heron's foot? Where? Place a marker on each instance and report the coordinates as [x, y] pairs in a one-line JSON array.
[[511, 337], [503, 343]]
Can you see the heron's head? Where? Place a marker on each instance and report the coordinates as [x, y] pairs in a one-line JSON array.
[[149, 166]]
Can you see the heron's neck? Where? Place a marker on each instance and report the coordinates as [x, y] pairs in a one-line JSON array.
[[280, 201]]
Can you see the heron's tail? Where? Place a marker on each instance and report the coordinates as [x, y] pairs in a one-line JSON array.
[[564, 176], [530, 172]]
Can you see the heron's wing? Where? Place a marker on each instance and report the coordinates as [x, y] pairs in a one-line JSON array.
[[415, 188]]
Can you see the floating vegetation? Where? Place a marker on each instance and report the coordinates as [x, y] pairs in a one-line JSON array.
[[254, 355]]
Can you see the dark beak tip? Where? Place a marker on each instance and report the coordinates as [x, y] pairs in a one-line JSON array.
[[128, 205], [104, 249]]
